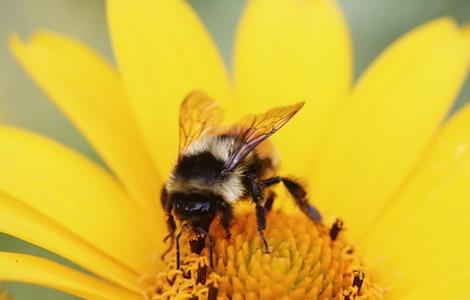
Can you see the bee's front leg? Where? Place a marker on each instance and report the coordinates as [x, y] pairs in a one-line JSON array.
[[226, 218], [170, 222], [178, 250], [207, 235], [256, 191]]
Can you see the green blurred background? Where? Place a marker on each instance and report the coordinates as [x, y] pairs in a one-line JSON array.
[[373, 24]]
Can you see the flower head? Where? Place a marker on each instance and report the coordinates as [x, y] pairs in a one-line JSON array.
[[306, 262], [374, 154]]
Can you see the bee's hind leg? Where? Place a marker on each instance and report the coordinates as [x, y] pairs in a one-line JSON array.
[[300, 196], [268, 204], [271, 195], [298, 193]]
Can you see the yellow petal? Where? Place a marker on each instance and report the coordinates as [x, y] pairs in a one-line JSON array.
[[289, 51], [76, 194], [91, 94], [422, 235], [163, 52], [36, 270], [19, 220], [394, 110], [454, 286]]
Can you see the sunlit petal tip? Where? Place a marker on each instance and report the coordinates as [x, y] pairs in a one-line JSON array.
[[466, 33], [442, 24], [37, 36], [15, 42], [444, 21]]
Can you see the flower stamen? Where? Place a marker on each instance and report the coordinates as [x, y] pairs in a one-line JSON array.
[[358, 280], [338, 225]]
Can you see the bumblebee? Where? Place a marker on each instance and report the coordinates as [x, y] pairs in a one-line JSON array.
[[219, 166]]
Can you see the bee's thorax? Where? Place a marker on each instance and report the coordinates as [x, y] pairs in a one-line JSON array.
[[199, 169]]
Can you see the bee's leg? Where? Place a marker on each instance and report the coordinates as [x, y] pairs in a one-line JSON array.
[[211, 245], [171, 234], [211, 250], [178, 251], [226, 218], [300, 196], [268, 204], [170, 222], [256, 190], [261, 220], [270, 181]]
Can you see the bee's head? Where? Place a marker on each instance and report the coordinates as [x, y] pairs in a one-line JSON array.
[[197, 209]]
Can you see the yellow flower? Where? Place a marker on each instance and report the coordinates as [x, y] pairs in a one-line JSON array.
[[374, 154]]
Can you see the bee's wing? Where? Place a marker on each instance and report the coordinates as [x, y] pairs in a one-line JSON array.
[[198, 114], [253, 130]]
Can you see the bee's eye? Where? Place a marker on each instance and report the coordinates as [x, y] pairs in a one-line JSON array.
[[192, 204], [201, 207], [196, 207]]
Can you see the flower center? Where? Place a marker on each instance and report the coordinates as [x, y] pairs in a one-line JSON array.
[[307, 261]]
